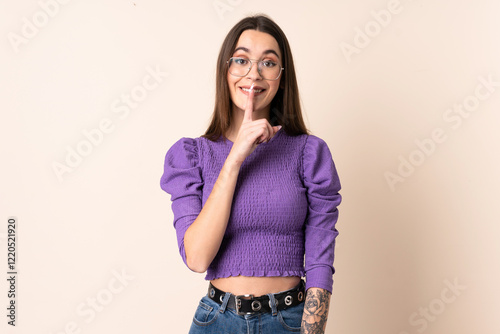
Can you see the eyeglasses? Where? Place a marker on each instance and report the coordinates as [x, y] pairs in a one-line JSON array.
[[268, 69]]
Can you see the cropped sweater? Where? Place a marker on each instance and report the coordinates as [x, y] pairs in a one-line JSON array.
[[284, 208]]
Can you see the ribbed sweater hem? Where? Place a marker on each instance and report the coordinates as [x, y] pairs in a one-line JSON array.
[[255, 273]]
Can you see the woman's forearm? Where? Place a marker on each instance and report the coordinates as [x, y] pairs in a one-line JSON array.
[[203, 238], [317, 305]]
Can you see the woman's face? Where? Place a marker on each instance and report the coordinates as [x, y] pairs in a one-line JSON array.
[[255, 45]]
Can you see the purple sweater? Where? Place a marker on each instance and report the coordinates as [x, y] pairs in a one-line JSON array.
[[284, 206]]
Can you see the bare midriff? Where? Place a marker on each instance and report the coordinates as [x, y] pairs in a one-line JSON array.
[[257, 286]]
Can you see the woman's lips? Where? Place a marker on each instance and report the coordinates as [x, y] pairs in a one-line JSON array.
[[255, 91]]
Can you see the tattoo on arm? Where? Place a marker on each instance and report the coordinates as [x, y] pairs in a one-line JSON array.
[[316, 309]]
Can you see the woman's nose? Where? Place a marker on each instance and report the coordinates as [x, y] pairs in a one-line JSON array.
[[254, 72]]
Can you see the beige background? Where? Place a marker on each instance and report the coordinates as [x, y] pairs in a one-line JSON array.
[[400, 246]]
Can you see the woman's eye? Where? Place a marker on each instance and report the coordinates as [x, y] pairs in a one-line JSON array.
[[268, 63], [240, 61]]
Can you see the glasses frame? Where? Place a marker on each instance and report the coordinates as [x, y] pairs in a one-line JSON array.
[[252, 61]]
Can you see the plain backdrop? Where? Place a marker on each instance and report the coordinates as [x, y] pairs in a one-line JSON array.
[[93, 93]]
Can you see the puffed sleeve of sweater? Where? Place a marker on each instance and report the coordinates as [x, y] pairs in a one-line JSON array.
[[323, 186], [182, 179]]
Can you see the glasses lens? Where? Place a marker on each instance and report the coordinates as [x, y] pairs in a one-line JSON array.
[[240, 67], [269, 69]]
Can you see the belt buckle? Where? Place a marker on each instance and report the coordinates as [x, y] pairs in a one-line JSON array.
[[237, 300]]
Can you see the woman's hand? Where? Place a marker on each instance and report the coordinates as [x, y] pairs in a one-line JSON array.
[[252, 132]]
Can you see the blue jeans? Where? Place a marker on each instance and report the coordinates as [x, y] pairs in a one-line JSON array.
[[212, 318]]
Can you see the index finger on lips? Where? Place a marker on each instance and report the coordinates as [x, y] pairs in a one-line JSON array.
[[248, 117]]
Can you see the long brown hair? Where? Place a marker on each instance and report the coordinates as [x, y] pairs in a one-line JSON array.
[[285, 107]]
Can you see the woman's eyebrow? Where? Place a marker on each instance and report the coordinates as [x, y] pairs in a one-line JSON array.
[[248, 51]]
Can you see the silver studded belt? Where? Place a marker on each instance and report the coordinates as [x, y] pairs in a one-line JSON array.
[[248, 304]]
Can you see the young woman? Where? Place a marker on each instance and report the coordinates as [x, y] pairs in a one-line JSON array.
[[256, 195]]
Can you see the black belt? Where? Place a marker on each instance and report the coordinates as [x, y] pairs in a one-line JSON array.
[[260, 304]]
